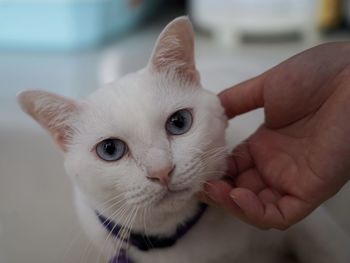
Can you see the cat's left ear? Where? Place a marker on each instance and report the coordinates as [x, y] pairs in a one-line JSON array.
[[53, 112], [174, 51]]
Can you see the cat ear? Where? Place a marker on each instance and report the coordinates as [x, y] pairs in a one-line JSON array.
[[52, 112], [174, 50]]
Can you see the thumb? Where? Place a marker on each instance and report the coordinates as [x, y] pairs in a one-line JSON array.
[[243, 97]]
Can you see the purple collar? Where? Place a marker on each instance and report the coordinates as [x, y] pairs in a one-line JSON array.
[[145, 243]]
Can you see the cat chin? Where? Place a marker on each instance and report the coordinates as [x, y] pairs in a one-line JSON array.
[[164, 218], [174, 202], [168, 212], [160, 218]]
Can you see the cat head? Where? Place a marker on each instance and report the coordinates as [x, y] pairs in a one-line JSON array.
[[148, 141]]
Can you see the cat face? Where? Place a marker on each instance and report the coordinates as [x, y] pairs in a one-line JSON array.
[[148, 141]]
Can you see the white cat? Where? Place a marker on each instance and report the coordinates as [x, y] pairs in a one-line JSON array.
[[139, 149]]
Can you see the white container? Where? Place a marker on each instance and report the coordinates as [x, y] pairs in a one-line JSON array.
[[229, 19]]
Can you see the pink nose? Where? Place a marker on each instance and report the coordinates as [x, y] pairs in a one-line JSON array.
[[161, 176]]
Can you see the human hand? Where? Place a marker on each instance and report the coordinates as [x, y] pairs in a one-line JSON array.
[[300, 156]]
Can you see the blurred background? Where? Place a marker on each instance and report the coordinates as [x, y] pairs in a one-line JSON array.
[[72, 47]]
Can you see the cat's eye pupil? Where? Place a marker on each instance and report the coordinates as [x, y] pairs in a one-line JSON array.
[[111, 149], [179, 122]]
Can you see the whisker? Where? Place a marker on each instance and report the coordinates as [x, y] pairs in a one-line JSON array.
[[109, 207], [145, 228], [129, 234], [109, 200], [122, 210], [122, 230]]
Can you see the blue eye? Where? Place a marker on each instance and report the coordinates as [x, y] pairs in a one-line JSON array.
[[179, 123], [111, 149]]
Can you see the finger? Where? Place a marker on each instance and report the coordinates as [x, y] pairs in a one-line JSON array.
[[256, 212], [240, 159], [250, 179], [267, 210], [262, 215], [243, 204], [219, 192], [243, 97], [232, 169], [250, 206], [205, 199], [267, 196], [294, 209]]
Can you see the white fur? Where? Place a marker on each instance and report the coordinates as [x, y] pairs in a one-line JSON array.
[[135, 110]]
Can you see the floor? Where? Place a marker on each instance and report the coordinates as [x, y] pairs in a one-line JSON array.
[[37, 217]]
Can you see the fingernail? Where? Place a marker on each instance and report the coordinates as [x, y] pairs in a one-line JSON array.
[[234, 199]]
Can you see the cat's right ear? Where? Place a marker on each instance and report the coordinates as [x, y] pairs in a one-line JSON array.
[[53, 112]]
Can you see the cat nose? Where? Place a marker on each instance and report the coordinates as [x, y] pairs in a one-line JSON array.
[[162, 175]]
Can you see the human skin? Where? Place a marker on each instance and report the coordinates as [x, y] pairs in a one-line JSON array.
[[300, 156]]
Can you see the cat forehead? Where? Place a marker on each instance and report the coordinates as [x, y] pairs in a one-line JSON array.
[[137, 100], [143, 90]]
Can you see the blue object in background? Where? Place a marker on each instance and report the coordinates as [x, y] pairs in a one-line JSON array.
[[68, 24]]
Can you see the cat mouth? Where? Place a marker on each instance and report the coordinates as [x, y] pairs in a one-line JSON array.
[[174, 193]]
